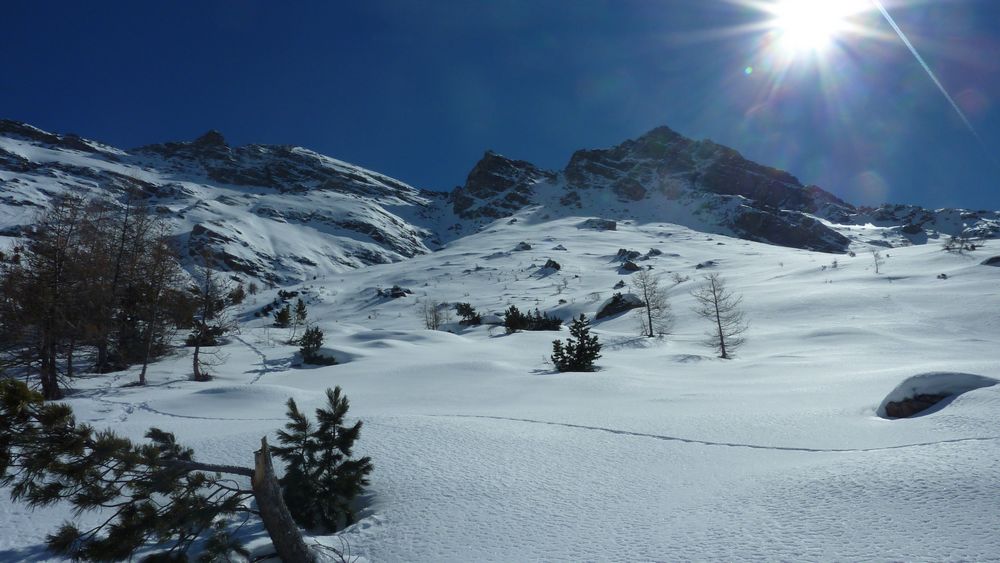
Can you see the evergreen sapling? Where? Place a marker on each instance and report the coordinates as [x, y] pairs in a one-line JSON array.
[[580, 351]]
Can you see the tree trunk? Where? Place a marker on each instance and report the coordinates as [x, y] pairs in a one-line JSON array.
[[69, 358], [198, 376], [285, 534], [649, 318], [102, 364], [148, 347], [49, 373], [718, 322]]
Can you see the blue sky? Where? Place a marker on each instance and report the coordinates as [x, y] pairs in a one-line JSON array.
[[419, 89]]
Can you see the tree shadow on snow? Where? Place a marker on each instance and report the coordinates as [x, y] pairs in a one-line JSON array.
[[37, 552], [631, 343]]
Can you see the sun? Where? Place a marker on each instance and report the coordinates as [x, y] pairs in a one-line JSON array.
[[811, 26]]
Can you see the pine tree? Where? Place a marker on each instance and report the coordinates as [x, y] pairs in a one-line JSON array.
[[514, 320], [580, 351], [157, 495], [311, 342], [283, 317], [300, 312], [468, 314], [211, 319], [321, 480]]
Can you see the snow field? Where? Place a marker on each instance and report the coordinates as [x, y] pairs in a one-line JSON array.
[[483, 453]]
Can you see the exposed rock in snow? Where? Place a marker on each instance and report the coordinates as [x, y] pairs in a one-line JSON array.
[[993, 261], [630, 266], [599, 224], [921, 392], [619, 303]]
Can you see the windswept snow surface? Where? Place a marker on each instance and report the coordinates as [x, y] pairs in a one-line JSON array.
[[483, 453]]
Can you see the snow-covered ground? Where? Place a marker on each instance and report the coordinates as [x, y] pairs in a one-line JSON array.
[[483, 453]]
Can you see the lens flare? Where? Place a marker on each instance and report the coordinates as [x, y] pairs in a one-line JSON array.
[[796, 28], [811, 25]]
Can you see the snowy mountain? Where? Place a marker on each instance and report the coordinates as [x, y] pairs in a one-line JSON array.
[[285, 214], [664, 176], [482, 451], [277, 213]]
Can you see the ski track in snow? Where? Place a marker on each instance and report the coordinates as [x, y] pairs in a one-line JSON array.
[[128, 408], [725, 444], [265, 368]]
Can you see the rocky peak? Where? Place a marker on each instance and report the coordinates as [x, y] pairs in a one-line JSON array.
[[212, 138], [495, 173], [497, 186]]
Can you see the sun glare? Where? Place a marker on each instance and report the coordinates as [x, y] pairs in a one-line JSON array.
[[811, 25]]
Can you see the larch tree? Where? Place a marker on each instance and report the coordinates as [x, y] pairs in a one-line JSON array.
[[723, 308], [654, 317], [877, 259]]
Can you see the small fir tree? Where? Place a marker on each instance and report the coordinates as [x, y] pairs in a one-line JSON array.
[[283, 317], [321, 480], [237, 295], [580, 351], [514, 320], [300, 312], [542, 321], [155, 494], [468, 314], [311, 342]]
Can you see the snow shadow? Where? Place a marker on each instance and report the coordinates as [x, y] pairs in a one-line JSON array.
[[631, 343], [37, 552]]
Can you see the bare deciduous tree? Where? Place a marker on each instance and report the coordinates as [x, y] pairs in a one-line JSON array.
[[655, 318], [959, 243], [877, 259], [722, 308], [434, 314]]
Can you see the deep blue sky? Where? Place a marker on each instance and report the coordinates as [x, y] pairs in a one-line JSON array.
[[419, 89]]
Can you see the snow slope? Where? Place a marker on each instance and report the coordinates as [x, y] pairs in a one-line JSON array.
[[483, 453]]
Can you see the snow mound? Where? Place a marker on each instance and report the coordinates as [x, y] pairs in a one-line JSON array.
[[934, 383], [233, 402]]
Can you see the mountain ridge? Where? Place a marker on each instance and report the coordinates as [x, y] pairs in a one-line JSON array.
[[283, 213]]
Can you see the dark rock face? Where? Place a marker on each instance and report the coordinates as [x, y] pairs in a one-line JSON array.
[[212, 138], [496, 187], [630, 266], [665, 164], [786, 228], [914, 405], [664, 161], [552, 265], [522, 246]]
